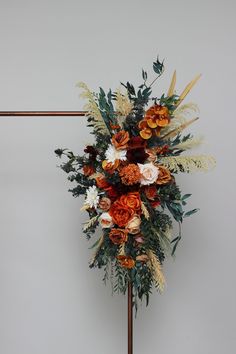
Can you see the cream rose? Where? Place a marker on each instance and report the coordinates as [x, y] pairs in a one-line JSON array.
[[149, 173], [105, 220], [133, 226]]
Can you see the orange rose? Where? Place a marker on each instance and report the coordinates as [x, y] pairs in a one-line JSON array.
[[164, 175], [120, 140], [131, 200], [126, 261], [104, 203], [109, 166], [120, 213], [118, 236], [88, 170]]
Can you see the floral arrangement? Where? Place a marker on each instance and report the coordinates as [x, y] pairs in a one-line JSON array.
[[128, 179]]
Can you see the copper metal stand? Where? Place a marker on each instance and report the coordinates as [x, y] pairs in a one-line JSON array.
[[130, 319], [78, 114]]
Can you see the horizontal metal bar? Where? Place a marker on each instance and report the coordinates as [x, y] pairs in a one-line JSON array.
[[42, 113]]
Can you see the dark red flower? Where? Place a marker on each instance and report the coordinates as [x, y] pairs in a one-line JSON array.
[[137, 155]]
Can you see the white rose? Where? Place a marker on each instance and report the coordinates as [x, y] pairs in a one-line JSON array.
[[149, 173], [133, 226], [105, 220]]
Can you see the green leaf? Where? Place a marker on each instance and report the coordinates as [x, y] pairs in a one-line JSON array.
[[190, 212], [186, 196]]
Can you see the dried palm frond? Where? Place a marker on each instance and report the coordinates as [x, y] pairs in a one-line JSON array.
[[187, 89], [188, 163], [179, 129], [92, 109], [172, 85], [155, 267], [185, 110]]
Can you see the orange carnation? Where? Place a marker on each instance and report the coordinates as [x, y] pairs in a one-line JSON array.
[[131, 200], [120, 140], [120, 213], [109, 166], [118, 236], [164, 175], [130, 174], [126, 261]]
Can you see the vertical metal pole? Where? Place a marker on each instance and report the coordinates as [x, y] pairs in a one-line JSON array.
[[130, 319]]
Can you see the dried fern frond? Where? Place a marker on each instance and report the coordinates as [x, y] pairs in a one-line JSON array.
[[145, 211], [90, 223], [172, 85], [188, 163], [179, 129], [92, 109], [123, 104], [91, 263], [185, 110], [155, 267], [190, 143], [180, 117], [187, 89]]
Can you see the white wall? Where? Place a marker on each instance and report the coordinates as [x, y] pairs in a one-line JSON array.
[[50, 302]]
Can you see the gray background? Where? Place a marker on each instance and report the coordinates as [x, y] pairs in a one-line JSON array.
[[50, 302]]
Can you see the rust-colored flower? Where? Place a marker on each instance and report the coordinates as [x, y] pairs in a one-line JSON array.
[[104, 203], [131, 200], [120, 140], [130, 174], [102, 182], [150, 192], [156, 117], [120, 213], [109, 166], [126, 261], [88, 170], [111, 192], [164, 175], [118, 236]]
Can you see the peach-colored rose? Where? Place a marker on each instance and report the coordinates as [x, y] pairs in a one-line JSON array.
[[104, 203], [149, 173], [152, 156], [133, 226], [105, 220]]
